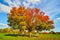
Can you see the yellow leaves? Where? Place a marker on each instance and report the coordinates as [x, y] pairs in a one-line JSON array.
[[23, 27], [22, 23], [8, 30], [21, 17], [16, 31]]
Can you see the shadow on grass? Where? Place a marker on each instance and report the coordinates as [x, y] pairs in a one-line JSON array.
[[15, 35], [23, 35]]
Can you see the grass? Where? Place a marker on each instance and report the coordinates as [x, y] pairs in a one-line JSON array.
[[39, 37]]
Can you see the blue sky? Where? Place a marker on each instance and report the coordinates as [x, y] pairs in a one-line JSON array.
[[50, 7]]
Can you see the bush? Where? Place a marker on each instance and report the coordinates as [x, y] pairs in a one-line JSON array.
[[52, 32], [57, 32]]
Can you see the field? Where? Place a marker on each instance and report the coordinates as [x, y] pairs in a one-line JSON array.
[[37, 37]]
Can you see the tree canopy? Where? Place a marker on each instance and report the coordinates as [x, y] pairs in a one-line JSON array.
[[29, 19]]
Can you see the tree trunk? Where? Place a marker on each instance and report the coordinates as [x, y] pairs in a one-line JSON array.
[[30, 34]]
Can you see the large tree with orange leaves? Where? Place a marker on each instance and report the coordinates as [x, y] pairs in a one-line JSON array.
[[30, 19]]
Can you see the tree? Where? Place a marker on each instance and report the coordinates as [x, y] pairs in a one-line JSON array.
[[7, 30], [1, 30], [30, 19], [43, 22], [16, 18]]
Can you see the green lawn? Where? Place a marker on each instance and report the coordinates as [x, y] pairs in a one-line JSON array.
[[40, 37]]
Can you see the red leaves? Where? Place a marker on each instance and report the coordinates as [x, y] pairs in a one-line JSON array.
[[37, 10], [46, 18], [30, 13]]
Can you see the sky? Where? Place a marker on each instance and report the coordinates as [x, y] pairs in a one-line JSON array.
[[50, 7]]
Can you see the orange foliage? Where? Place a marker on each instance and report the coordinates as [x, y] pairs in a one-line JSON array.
[[30, 13], [37, 10], [29, 18]]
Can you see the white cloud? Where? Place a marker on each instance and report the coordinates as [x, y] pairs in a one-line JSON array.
[[51, 8], [58, 18], [16, 3], [26, 5], [2, 25], [33, 1], [9, 2], [13, 3], [4, 8]]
